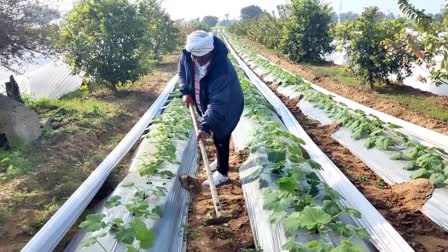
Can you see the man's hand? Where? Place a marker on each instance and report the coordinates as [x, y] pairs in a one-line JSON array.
[[202, 135], [188, 100]]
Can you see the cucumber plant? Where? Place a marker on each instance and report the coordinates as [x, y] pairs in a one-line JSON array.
[[301, 200], [425, 162], [173, 124]]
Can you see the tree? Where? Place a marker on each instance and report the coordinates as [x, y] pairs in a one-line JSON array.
[[211, 21], [365, 42], [24, 31], [114, 41], [251, 11], [306, 33], [434, 42], [161, 33]]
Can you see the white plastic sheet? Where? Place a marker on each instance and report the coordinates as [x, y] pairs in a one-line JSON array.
[[168, 229]]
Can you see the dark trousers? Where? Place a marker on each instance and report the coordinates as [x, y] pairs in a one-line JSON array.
[[222, 144]]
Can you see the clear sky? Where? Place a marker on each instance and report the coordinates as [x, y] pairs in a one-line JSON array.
[[190, 9]]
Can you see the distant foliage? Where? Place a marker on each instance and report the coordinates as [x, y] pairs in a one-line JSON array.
[[348, 16], [25, 31], [365, 42], [433, 41], [187, 28], [306, 36], [211, 21], [302, 30], [250, 12], [115, 41], [267, 30]]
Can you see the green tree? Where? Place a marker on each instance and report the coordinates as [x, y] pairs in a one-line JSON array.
[[114, 41], [365, 42], [161, 33], [251, 11], [306, 33], [24, 31], [434, 42], [211, 21]]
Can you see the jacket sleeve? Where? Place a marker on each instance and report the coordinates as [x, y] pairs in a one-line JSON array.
[[219, 96], [183, 85]]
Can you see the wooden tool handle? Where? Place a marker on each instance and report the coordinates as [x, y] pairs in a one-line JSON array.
[[213, 190]]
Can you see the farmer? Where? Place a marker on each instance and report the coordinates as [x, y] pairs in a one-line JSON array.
[[208, 80]]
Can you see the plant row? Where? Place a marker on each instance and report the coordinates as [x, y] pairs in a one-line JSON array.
[[377, 45], [424, 161], [173, 125], [301, 201]]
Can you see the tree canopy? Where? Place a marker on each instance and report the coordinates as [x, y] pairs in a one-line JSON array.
[[210, 20], [115, 41], [251, 11], [24, 31]]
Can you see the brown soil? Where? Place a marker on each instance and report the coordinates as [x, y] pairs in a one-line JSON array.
[[233, 235], [363, 94], [66, 161], [399, 204]]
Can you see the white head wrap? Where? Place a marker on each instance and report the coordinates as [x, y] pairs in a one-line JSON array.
[[199, 43]]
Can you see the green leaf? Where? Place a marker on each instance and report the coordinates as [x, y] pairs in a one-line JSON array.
[[93, 222], [370, 143], [311, 246], [288, 184], [143, 234], [312, 178], [353, 212], [361, 232], [315, 165], [420, 173], [276, 200], [393, 126], [312, 218], [437, 179], [341, 229], [397, 156], [91, 240], [276, 156], [410, 166], [384, 143], [292, 222], [348, 246], [276, 217], [125, 235], [330, 192], [137, 206], [131, 249], [113, 201], [149, 168], [156, 212], [166, 174], [127, 184], [331, 207]]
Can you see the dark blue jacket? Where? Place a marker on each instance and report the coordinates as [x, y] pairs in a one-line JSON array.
[[220, 90]]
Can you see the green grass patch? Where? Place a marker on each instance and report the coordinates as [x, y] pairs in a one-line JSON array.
[[338, 73], [420, 104], [16, 161]]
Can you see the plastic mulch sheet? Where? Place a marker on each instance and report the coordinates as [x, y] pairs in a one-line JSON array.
[[169, 228], [269, 237], [383, 236]]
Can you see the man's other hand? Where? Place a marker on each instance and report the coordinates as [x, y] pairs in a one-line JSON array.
[[188, 100], [202, 135]]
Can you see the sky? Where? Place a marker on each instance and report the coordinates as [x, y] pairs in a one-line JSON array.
[[190, 9]]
